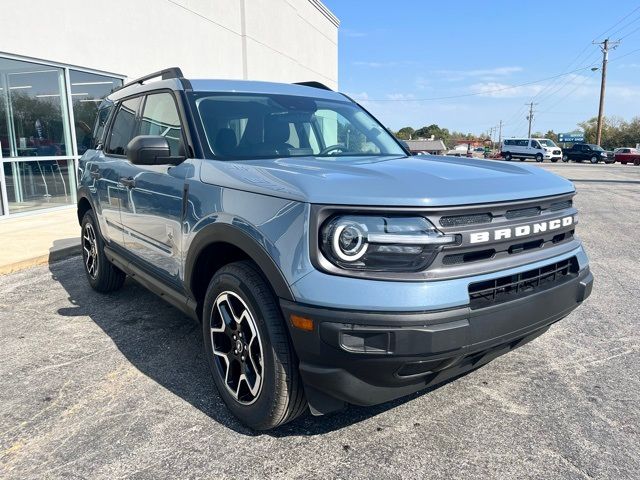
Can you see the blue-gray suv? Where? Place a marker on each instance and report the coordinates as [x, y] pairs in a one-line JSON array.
[[326, 264]]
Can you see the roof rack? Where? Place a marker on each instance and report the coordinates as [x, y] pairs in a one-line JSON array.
[[167, 73], [314, 84]]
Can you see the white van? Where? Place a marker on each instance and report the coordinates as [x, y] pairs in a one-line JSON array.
[[522, 148]]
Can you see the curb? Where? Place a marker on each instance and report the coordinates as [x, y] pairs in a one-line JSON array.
[[53, 256]]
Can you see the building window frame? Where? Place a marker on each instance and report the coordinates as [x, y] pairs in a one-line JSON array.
[[68, 116]]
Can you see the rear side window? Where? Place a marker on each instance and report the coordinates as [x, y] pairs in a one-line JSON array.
[[124, 127], [161, 117], [98, 129]]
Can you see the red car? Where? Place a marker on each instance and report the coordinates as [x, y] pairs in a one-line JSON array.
[[627, 155]]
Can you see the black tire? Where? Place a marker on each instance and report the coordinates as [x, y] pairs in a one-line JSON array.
[[539, 158], [103, 276], [554, 160], [565, 158], [507, 157], [280, 397], [521, 159], [594, 159]]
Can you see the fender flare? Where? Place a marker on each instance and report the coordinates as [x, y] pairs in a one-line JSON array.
[[225, 233]]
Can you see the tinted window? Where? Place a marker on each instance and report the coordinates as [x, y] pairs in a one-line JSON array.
[[523, 143], [123, 127], [100, 123], [161, 117], [239, 126], [508, 142]]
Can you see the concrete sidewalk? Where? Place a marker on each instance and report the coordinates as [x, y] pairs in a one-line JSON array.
[[38, 239]]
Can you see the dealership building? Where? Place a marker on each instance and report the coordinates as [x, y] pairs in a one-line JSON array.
[[58, 59]]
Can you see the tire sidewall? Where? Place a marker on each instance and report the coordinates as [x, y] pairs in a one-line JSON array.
[[89, 217], [256, 412]]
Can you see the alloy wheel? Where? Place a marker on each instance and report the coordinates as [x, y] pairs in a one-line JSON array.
[[237, 347], [90, 248]]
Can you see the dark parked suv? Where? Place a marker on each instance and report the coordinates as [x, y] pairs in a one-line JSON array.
[[326, 264], [580, 152]]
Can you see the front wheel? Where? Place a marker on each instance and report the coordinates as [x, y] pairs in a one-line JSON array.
[[248, 349], [594, 159], [103, 276], [539, 158], [554, 160], [521, 159]]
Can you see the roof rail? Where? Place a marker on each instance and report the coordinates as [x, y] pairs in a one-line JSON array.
[[314, 84], [172, 72]]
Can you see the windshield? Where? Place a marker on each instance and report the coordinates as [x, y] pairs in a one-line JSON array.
[[596, 148], [545, 142], [250, 126]]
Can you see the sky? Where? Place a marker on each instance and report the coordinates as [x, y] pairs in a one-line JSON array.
[[398, 59]]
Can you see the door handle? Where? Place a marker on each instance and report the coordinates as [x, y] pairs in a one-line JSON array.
[[128, 182]]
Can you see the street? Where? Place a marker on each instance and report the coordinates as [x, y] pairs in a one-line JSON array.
[[116, 386]]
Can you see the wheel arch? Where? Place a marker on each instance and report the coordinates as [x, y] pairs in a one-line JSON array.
[[219, 244], [84, 204]]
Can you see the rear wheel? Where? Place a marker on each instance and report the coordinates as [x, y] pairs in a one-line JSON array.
[[636, 162], [248, 349], [594, 159], [103, 276], [507, 157], [521, 159]]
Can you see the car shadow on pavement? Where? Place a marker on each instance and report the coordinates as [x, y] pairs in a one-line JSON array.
[[166, 346]]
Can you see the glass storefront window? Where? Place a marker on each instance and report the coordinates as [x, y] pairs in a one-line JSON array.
[[38, 109], [37, 184], [87, 91], [35, 109]]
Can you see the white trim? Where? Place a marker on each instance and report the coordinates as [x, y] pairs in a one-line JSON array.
[[39, 211], [325, 11], [24, 58]]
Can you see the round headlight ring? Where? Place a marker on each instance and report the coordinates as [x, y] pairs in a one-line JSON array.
[[355, 237]]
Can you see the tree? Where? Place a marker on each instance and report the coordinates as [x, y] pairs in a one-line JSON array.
[[405, 133]]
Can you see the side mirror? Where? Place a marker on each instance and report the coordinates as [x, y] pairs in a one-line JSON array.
[[151, 150]]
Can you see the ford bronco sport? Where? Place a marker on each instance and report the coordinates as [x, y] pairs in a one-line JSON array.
[[326, 264]]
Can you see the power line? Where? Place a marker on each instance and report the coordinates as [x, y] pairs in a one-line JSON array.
[[618, 23], [630, 33]]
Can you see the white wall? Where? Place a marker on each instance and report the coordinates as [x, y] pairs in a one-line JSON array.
[[278, 40]]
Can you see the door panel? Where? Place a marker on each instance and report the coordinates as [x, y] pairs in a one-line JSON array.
[[152, 215], [112, 193]]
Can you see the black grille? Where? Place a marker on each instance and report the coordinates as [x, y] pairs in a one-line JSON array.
[[557, 152], [523, 212], [461, 220], [476, 256], [511, 287], [560, 205]]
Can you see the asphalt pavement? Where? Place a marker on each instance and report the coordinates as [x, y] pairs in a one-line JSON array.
[[115, 386]]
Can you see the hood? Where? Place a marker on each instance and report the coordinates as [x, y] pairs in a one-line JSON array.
[[387, 181]]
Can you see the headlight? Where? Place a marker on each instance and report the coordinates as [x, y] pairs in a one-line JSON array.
[[377, 243]]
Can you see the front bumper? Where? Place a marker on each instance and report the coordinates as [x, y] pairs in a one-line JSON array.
[[367, 358]]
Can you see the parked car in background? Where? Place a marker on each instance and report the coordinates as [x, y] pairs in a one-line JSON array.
[[626, 155], [540, 149], [580, 152]]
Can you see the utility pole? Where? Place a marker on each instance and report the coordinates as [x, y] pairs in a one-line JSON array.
[[530, 116], [500, 133], [605, 46]]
